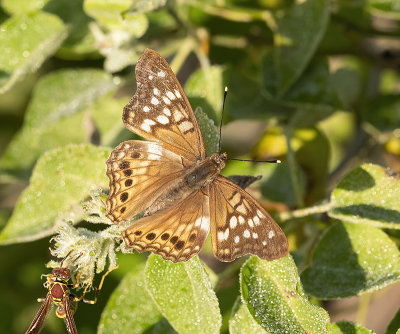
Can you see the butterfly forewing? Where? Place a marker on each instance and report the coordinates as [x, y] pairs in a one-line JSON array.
[[138, 171], [159, 110], [177, 233], [241, 226]]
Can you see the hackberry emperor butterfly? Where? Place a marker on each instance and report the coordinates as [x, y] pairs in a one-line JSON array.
[[177, 185]]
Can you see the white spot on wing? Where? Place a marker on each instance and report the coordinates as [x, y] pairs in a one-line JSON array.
[[271, 234], [146, 109], [166, 100], [185, 126], [260, 214], [255, 235], [264, 243], [226, 234], [256, 220], [154, 101], [177, 93], [220, 236], [167, 112], [251, 224], [161, 74], [151, 77], [198, 222], [177, 115], [233, 222], [246, 234], [237, 239], [155, 149], [146, 125], [205, 224], [162, 119], [241, 220], [171, 95]]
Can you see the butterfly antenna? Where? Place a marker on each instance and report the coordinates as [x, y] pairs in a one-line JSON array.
[[274, 161], [222, 119]]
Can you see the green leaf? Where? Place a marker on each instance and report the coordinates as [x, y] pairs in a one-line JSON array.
[[61, 179], [383, 112], [130, 308], [368, 195], [208, 130], [107, 118], [55, 116], [386, 9], [274, 296], [247, 101], [115, 15], [183, 294], [27, 41], [294, 46], [242, 321], [351, 259], [394, 326], [347, 327], [80, 43], [207, 84], [22, 6]]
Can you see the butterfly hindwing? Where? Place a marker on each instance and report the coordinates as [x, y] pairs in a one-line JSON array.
[[177, 233], [138, 170], [241, 226], [160, 110]]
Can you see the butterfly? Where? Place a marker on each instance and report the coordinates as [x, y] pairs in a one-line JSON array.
[[178, 187]]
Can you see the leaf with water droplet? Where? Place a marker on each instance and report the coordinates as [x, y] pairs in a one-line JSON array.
[[26, 42], [351, 259], [62, 178], [369, 195], [183, 294], [272, 292], [242, 321], [130, 308], [56, 116], [347, 327]]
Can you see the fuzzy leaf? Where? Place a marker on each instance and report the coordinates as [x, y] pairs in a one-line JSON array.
[[61, 179], [274, 296], [208, 85], [242, 321], [55, 116], [351, 259], [183, 294], [347, 327], [208, 130], [368, 195], [130, 308], [26, 42]]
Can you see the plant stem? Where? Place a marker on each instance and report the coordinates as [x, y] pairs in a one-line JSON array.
[[293, 167], [363, 308], [321, 208]]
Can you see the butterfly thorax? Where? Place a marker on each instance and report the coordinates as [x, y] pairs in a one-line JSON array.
[[196, 177]]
